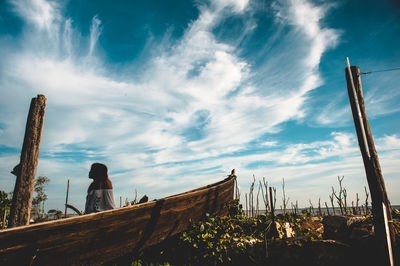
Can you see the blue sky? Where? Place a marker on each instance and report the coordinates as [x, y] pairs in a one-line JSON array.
[[171, 95]]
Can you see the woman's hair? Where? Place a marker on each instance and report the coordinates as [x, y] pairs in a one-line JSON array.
[[98, 171]]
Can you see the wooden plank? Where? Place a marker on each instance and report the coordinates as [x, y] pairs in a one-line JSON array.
[[100, 237], [23, 191]]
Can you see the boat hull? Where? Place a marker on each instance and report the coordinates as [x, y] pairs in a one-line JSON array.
[[101, 237]]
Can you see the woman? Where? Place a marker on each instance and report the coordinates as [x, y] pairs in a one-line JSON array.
[[100, 195]]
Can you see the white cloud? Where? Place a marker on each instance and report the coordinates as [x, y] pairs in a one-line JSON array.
[[40, 13], [333, 114], [388, 142], [381, 100], [269, 143], [95, 31], [236, 5], [306, 17], [67, 36]]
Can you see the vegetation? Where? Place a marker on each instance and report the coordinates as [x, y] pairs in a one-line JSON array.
[[224, 240], [244, 237], [40, 196], [5, 205], [5, 200], [55, 214]]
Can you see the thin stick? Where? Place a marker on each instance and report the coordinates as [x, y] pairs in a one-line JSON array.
[[267, 204], [366, 199], [333, 205], [258, 193], [357, 207], [319, 207], [327, 209], [285, 201], [246, 213], [66, 200]]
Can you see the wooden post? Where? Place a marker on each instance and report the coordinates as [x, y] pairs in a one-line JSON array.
[[23, 190], [274, 231], [4, 219], [272, 203], [66, 201], [371, 161], [43, 209]]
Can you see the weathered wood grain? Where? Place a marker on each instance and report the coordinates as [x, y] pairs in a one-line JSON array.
[[26, 170], [104, 236]]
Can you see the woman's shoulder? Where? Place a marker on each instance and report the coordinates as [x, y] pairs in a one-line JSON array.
[[92, 186], [106, 184]]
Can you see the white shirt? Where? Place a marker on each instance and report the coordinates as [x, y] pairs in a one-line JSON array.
[[99, 200]]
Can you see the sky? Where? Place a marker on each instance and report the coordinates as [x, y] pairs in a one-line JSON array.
[[172, 95]]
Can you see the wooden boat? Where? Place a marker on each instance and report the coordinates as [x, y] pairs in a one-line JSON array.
[[100, 237]]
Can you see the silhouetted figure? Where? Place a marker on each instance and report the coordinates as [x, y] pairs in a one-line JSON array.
[[100, 195]]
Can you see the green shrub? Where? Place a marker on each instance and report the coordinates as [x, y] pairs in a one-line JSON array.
[[222, 240]]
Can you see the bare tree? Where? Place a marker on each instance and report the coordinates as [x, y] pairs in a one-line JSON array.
[[311, 207], [265, 196], [366, 200], [344, 199], [319, 207], [333, 205], [357, 206], [327, 208], [258, 194], [247, 210], [274, 190], [285, 201], [341, 198], [251, 197]]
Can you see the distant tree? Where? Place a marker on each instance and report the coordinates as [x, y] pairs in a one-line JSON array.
[[5, 200], [57, 214], [40, 195], [5, 204]]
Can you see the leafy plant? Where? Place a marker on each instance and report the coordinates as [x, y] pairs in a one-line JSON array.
[[226, 240]]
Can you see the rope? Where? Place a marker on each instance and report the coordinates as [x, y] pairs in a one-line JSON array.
[[376, 71]]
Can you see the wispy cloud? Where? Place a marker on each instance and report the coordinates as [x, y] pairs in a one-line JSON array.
[[95, 31], [40, 13]]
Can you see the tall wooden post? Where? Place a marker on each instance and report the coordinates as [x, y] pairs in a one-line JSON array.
[[43, 209], [66, 201], [371, 162], [24, 185], [4, 219]]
